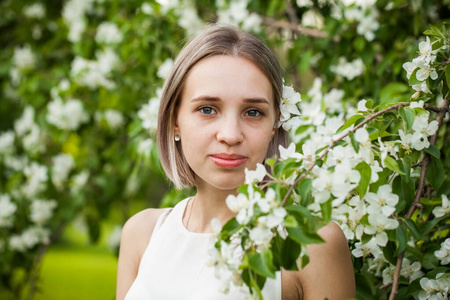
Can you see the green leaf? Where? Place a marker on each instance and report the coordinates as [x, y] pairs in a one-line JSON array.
[[231, 226], [405, 192], [304, 261], [303, 189], [447, 76], [290, 251], [326, 210], [392, 91], [412, 227], [366, 172], [405, 165], [413, 80], [408, 115], [392, 165], [402, 239], [435, 172], [352, 120], [433, 150], [355, 143], [262, 263], [302, 237], [426, 228], [388, 252]]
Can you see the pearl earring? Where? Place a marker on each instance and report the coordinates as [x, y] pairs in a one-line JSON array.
[[177, 137]]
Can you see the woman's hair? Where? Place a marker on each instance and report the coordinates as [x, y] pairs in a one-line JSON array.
[[216, 40]]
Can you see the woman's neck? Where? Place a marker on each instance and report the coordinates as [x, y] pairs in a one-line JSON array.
[[207, 204]]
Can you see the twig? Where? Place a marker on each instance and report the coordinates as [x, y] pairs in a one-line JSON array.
[[370, 118], [419, 192], [436, 109], [297, 29]]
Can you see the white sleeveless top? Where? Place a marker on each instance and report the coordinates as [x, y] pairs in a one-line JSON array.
[[174, 265]]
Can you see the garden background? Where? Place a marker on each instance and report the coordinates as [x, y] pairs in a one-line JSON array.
[[80, 82]]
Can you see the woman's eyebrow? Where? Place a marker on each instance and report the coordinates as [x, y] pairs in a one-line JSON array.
[[206, 98], [255, 100]]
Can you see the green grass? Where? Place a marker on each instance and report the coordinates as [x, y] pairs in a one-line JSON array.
[[74, 269]]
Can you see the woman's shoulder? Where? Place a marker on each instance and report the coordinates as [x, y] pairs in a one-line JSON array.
[[138, 230], [141, 224]]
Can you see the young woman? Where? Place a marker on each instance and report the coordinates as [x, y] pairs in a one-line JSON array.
[[218, 116]]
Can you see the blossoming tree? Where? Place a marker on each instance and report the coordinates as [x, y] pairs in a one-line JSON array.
[[80, 84]]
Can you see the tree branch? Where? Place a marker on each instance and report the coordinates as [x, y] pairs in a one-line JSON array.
[[416, 202], [297, 29], [325, 152]]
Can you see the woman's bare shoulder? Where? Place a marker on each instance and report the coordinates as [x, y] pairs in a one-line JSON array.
[[140, 226], [330, 266]]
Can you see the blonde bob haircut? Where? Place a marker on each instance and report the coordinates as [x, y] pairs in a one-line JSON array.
[[215, 40]]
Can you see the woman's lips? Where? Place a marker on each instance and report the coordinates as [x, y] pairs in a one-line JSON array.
[[228, 161]]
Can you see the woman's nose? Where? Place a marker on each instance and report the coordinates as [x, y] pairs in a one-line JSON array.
[[230, 131]]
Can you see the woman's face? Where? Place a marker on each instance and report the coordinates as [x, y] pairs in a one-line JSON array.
[[225, 120]]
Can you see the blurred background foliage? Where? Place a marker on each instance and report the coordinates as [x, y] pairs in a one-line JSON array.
[[78, 83]]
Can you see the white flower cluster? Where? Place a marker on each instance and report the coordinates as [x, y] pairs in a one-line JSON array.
[[66, 116], [423, 65], [108, 33], [418, 139], [312, 18], [164, 68], [23, 60], [290, 114], [74, 16], [34, 11], [113, 118], [93, 73], [29, 238], [42, 211], [235, 12], [7, 142], [185, 11], [114, 237], [443, 254], [409, 270], [62, 165], [7, 210], [273, 217], [348, 70], [435, 289], [149, 112], [37, 177], [444, 209], [364, 13]]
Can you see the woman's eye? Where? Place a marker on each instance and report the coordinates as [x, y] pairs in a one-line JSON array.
[[253, 113], [206, 110]]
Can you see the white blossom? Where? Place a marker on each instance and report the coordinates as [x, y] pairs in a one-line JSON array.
[[67, 116], [36, 178], [145, 147], [108, 33], [383, 201], [34, 11], [289, 102], [444, 209], [443, 254], [367, 26], [42, 211], [23, 58], [333, 101], [289, 152], [435, 289], [73, 14], [312, 18], [379, 223], [255, 176], [29, 238], [164, 68], [62, 165], [114, 118], [7, 142], [369, 248], [411, 270], [261, 235], [79, 181], [7, 210], [348, 70], [149, 112]]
